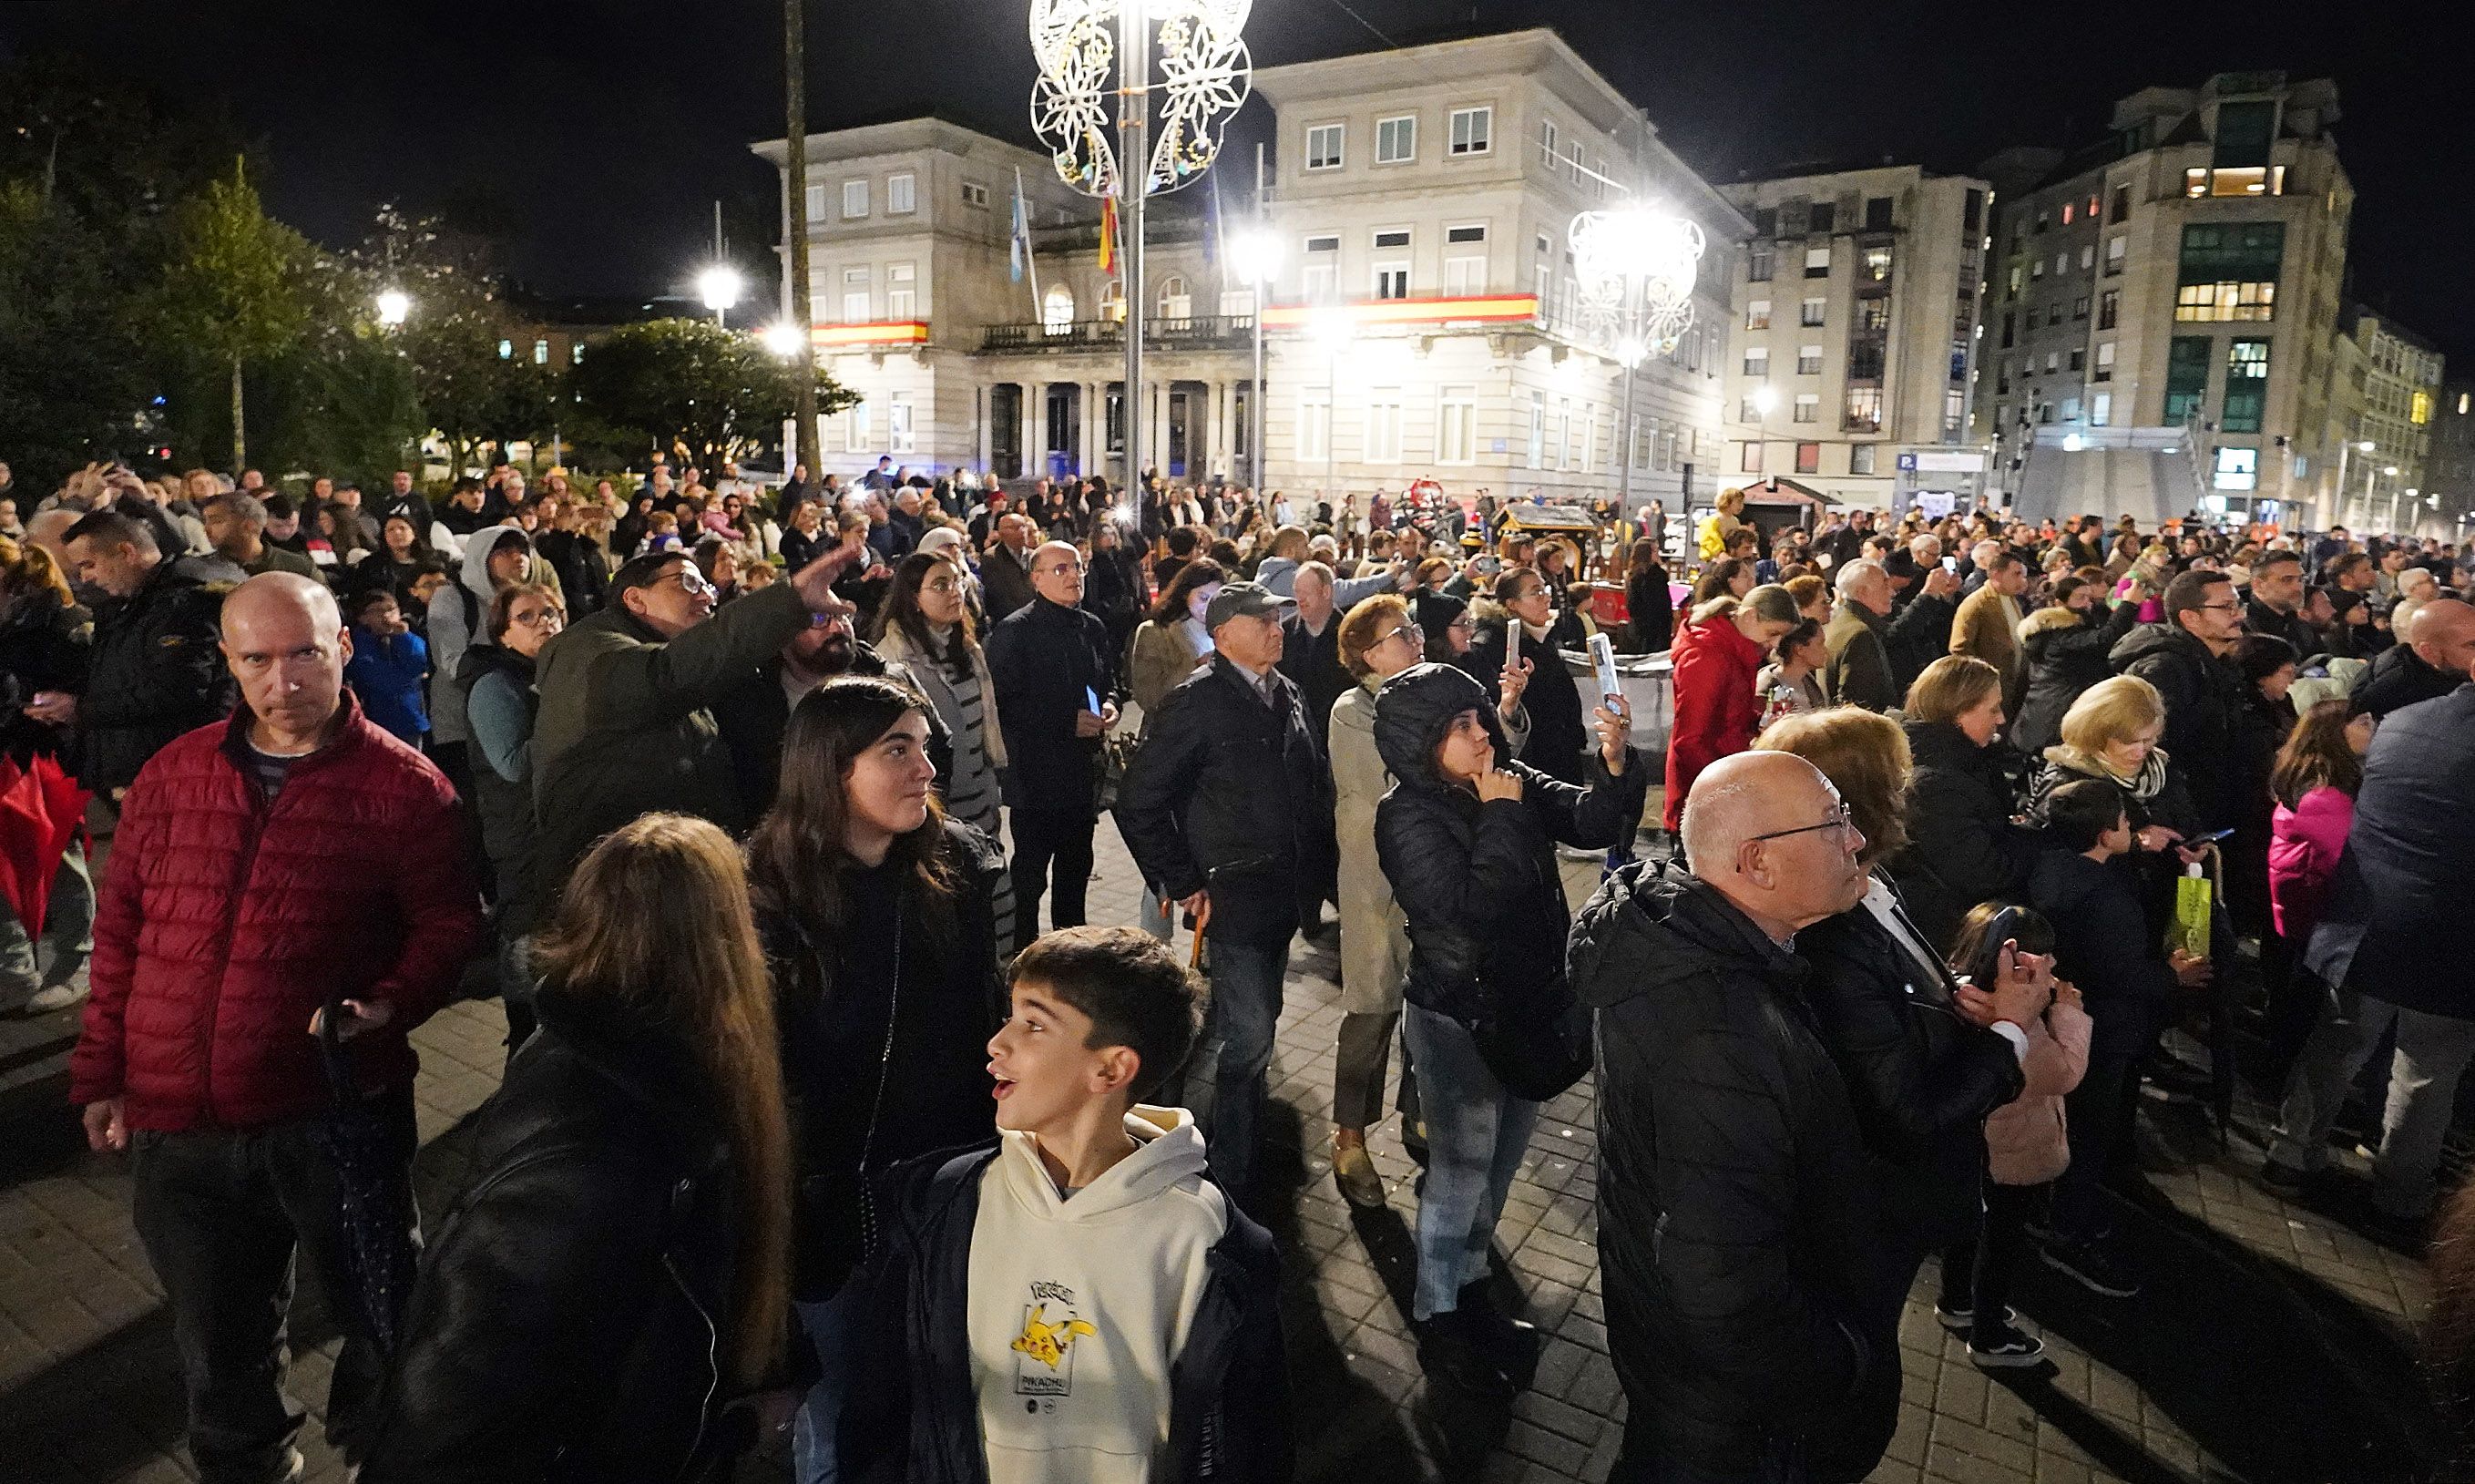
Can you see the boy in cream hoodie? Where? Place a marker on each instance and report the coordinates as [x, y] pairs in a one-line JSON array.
[[1078, 1302]]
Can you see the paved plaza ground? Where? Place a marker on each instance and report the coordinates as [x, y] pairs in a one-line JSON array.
[[2272, 1344]]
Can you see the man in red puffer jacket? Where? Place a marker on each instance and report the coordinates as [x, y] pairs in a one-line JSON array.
[[265, 865]]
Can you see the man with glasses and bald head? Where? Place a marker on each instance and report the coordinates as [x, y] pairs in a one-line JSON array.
[[1735, 1209], [1055, 673]]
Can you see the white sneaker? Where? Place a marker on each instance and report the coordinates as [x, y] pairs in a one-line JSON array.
[[59, 997]]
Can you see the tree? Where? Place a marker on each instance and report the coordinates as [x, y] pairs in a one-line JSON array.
[[470, 393], [684, 383], [795, 76], [72, 372], [231, 292]]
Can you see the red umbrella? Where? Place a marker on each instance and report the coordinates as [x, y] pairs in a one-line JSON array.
[[42, 808]]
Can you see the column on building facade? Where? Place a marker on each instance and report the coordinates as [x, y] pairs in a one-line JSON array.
[[1035, 428], [983, 416], [1209, 463], [1095, 427], [1157, 454]]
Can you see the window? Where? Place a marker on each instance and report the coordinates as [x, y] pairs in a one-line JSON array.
[[1874, 314], [2215, 302], [1548, 154], [1396, 140], [1808, 458], [2247, 386], [1812, 312], [1573, 162], [1817, 263], [507, 350], [1808, 361], [1398, 237], [2115, 249], [2228, 270], [1464, 277], [1563, 433], [1324, 147], [1473, 130], [975, 195], [1236, 304], [1808, 406], [2071, 211], [2055, 312], [1757, 314], [1877, 213], [1752, 461], [1384, 425], [2037, 270], [1864, 411], [2236, 468], [1314, 423], [1747, 411], [541, 353], [816, 204], [898, 435], [2109, 307], [901, 296], [1456, 236], [2092, 206], [1537, 430], [2079, 358], [1766, 221], [575, 354], [901, 193], [1758, 361], [2088, 255], [1860, 458], [1391, 281], [1878, 265], [1822, 217], [1759, 262], [1320, 278], [1057, 309], [2104, 362], [2053, 361], [2121, 208], [855, 305], [1456, 426], [1176, 300], [860, 436], [2101, 410], [2187, 376], [854, 198], [1589, 439], [2080, 307]]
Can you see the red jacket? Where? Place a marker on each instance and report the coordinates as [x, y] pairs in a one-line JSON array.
[[1716, 709], [225, 921]]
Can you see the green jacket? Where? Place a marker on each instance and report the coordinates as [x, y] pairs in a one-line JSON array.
[[627, 726], [1859, 671]]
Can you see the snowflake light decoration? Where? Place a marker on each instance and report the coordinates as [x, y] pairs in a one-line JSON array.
[[1202, 74], [1634, 262]]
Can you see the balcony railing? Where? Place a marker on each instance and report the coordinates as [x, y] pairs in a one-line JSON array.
[[1092, 334]]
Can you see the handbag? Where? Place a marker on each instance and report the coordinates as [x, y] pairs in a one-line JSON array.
[[1108, 767], [1537, 1044]]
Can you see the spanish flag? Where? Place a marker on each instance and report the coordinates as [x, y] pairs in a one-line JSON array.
[[1109, 235]]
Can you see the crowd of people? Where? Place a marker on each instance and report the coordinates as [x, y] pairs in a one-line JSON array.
[[747, 802]]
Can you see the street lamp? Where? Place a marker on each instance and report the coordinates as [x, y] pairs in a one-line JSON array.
[[393, 303], [782, 338], [719, 287], [1205, 74], [1256, 254], [1634, 267]]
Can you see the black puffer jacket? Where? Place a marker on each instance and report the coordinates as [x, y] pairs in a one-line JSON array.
[[1734, 1211], [1479, 881], [1962, 847], [2203, 695], [1230, 794], [155, 673], [44, 644], [564, 1324], [1922, 1080], [1560, 734], [2067, 654], [2397, 680]]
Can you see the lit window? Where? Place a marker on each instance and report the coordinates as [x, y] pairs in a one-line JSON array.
[[1878, 265], [1324, 147], [1757, 314], [815, 202], [2069, 211], [541, 353], [1817, 263], [575, 354], [507, 350], [854, 198], [1864, 412], [901, 193], [1758, 361], [1808, 458], [1473, 130], [2420, 408], [2247, 386], [2101, 410], [2195, 181], [1860, 459], [1396, 140], [2215, 302], [2238, 468]]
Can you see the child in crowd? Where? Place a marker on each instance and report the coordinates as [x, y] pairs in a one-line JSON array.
[[2028, 1147], [387, 667], [1078, 1300], [2104, 944]]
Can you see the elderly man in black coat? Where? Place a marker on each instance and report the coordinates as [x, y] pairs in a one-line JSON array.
[[2400, 892], [1054, 670]]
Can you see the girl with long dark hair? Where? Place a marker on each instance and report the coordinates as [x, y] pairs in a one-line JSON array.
[[874, 909]]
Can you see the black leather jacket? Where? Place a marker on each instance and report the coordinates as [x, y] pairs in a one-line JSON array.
[[566, 1323]]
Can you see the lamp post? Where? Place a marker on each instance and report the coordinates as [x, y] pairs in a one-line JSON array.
[[1205, 74], [1636, 267], [719, 287], [1256, 254]]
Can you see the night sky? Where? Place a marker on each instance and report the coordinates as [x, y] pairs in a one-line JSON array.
[[598, 134]]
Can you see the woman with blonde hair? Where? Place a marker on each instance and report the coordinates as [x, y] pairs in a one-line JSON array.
[[617, 1274], [1964, 849], [1721, 523], [43, 648], [2111, 732]]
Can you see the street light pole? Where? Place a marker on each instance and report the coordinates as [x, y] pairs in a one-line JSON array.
[[1262, 274], [795, 99], [1133, 175]]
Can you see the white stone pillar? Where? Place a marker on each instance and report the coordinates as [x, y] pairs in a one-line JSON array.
[[984, 408], [1035, 428]]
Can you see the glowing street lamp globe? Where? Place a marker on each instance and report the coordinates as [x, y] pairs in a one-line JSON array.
[[783, 340], [718, 286], [394, 305], [1256, 254]]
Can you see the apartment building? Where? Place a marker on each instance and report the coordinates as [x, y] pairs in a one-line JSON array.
[[1855, 313], [2385, 399], [2180, 276], [1423, 319]]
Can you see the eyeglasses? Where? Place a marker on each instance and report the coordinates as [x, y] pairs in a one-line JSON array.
[[1409, 632], [1461, 626], [539, 618], [2221, 607], [690, 581], [1842, 818], [942, 585], [1058, 568]]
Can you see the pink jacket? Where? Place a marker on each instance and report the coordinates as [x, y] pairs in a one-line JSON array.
[[2304, 844], [2024, 1136]]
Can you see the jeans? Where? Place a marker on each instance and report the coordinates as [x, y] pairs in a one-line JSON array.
[[2097, 1122], [833, 1328], [1039, 838], [39, 956], [1976, 1274], [1358, 1063], [1224, 1083], [2432, 1051], [221, 1213], [1476, 1135]]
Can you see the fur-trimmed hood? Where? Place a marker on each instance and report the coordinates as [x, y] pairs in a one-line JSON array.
[[2049, 618]]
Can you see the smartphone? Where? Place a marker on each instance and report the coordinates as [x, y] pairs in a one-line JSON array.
[[1987, 966], [1602, 654], [1951, 564], [2216, 835], [1512, 641], [1091, 701]]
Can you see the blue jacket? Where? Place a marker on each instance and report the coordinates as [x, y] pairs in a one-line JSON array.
[[914, 1415], [2401, 886], [387, 675]]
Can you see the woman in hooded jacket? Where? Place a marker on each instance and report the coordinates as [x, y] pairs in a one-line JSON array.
[[1467, 839], [2066, 645], [1719, 653]]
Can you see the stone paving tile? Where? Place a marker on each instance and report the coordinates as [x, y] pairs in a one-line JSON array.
[[88, 1392]]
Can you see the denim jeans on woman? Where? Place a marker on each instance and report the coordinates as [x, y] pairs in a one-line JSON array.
[[834, 1328], [1476, 1135]]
